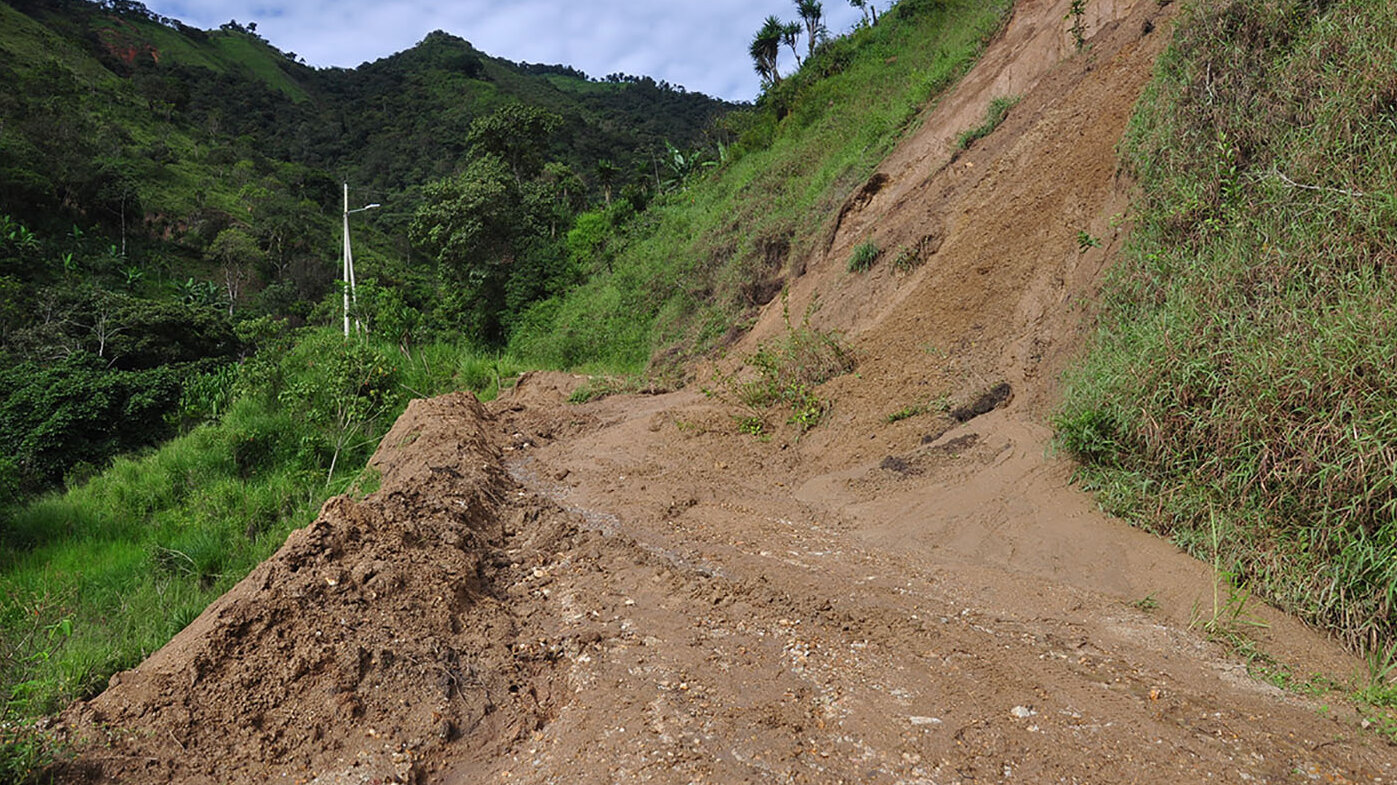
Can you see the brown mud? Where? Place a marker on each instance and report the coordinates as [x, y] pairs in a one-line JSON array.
[[631, 591]]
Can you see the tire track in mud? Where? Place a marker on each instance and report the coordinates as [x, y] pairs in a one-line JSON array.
[[801, 653]]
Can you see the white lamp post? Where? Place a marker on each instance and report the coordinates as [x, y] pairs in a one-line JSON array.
[[349, 288]]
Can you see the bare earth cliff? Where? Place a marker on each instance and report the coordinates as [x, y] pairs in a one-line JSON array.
[[631, 591]]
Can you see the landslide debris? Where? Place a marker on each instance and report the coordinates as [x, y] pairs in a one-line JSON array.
[[376, 638], [861, 604]]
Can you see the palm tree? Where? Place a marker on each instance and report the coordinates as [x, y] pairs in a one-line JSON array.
[[790, 33], [766, 48], [862, 5], [607, 172], [812, 12], [870, 11]]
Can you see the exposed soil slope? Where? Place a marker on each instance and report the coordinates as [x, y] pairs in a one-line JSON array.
[[649, 596]]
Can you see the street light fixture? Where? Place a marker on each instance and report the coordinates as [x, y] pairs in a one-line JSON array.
[[349, 287]]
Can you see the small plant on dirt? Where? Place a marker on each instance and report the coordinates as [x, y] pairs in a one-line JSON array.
[[1076, 13], [906, 260], [1229, 619], [1280, 676], [1383, 724], [1380, 693], [751, 424], [910, 258], [906, 413], [1381, 689], [864, 256], [784, 373], [1086, 241], [1147, 603], [807, 408], [994, 116]]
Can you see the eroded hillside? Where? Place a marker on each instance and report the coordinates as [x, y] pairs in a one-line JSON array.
[[631, 591]]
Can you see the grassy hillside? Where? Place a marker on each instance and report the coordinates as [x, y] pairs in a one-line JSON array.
[[703, 258], [1241, 395]]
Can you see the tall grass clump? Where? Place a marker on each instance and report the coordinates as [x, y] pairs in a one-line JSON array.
[[864, 256], [1244, 378]]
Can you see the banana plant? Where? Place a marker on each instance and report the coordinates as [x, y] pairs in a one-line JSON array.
[[132, 275]]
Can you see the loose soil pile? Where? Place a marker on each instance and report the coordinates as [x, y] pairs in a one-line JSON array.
[[375, 639], [632, 591]]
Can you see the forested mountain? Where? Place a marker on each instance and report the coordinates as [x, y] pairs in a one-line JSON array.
[[161, 184], [143, 129], [113, 73]]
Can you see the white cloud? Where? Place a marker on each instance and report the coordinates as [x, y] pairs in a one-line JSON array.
[[700, 45]]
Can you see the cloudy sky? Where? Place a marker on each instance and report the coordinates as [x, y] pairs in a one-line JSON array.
[[700, 44]]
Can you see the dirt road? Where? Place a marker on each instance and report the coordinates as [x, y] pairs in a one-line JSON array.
[[636, 592]]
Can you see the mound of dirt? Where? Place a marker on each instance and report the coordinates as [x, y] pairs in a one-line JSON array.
[[544, 388], [371, 641]]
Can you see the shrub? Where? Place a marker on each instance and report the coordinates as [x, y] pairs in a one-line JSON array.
[[80, 411], [783, 373]]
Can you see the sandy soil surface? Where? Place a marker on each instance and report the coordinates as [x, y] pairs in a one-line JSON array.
[[632, 591]]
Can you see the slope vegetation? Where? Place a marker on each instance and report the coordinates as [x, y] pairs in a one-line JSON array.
[[1239, 396], [695, 269]]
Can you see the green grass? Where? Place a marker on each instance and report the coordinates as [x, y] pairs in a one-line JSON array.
[[1243, 375], [258, 59], [571, 84], [995, 115], [864, 256], [598, 387], [909, 259], [782, 374], [27, 43], [907, 413], [173, 45], [697, 264]]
